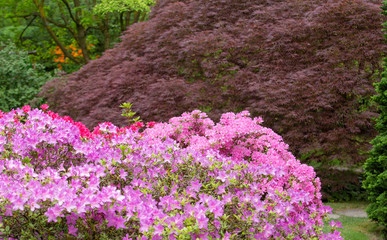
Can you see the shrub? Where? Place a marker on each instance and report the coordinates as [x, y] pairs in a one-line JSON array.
[[304, 66], [376, 165], [20, 79], [231, 180]]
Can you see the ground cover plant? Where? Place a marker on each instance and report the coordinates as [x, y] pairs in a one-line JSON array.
[[186, 179], [304, 66]]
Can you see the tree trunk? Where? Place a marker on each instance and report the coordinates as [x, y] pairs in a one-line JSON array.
[[136, 16], [143, 16], [106, 33], [122, 25], [81, 32], [127, 19], [81, 39]]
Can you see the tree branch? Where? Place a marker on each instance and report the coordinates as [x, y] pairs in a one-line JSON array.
[[28, 25], [61, 26], [51, 32], [23, 16], [69, 10]]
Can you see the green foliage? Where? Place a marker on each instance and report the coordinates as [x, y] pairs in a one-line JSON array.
[[40, 27], [376, 165], [120, 6], [127, 112], [20, 79], [339, 185], [9, 33]]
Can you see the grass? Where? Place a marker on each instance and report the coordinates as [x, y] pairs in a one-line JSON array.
[[355, 228], [347, 205]]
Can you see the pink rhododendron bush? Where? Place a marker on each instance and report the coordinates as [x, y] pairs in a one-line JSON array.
[[186, 179]]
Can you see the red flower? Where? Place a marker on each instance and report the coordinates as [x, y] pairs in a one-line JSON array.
[[150, 124], [26, 108], [44, 107], [139, 124]]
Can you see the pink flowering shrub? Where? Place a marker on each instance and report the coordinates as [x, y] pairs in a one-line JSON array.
[[186, 179]]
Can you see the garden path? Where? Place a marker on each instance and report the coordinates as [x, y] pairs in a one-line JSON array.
[[354, 212]]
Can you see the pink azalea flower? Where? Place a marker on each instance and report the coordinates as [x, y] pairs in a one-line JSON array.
[[226, 236], [73, 230], [18, 204], [196, 185], [158, 229], [222, 176], [202, 221]]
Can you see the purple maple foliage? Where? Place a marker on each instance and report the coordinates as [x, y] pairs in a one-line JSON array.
[[306, 67]]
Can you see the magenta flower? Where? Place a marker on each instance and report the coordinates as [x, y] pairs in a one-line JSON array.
[[335, 224], [196, 185], [120, 222], [73, 230], [53, 212], [226, 236], [158, 229], [222, 176], [18, 204], [202, 221]]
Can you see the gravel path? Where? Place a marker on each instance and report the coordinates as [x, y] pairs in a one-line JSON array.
[[357, 212]]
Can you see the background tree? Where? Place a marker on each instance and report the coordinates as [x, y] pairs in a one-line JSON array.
[[130, 11], [75, 22]]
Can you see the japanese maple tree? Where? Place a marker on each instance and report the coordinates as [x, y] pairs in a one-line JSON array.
[[307, 67]]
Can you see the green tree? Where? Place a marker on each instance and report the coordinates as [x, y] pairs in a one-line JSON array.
[[130, 11], [79, 21]]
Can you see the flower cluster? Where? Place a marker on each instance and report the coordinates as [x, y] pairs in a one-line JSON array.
[[186, 179], [73, 49]]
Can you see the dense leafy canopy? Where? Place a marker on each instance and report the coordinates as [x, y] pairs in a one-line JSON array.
[[303, 65], [121, 6]]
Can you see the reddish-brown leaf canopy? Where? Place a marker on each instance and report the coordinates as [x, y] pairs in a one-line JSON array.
[[305, 66]]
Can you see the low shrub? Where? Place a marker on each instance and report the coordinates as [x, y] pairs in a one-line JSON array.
[[186, 179], [20, 79]]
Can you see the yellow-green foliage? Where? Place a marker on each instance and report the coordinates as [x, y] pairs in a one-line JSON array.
[[120, 6]]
